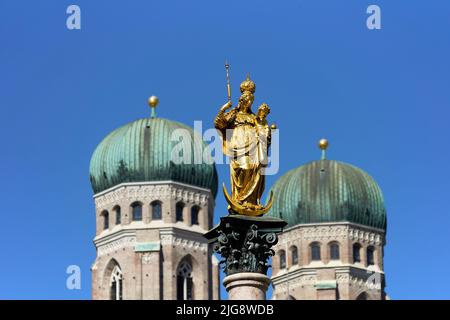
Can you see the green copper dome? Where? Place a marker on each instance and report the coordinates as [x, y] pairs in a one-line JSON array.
[[328, 191], [142, 151]]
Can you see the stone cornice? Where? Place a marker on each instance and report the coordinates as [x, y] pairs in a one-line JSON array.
[[339, 223], [311, 270], [182, 238], [347, 274], [168, 236], [101, 240], [370, 281], [152, 225], [115, 244], [330, 232], [150, 191]]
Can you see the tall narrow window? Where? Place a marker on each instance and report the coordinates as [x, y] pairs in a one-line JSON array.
[[136, 211], [184, 281], [294, 254], [194, 215], [362, 296], [116, 284], [179, 211], [118, 215], [334, 251], [356, 253], [315, 251], [282, 259], [156, 210], [105, 216], [370, 256]]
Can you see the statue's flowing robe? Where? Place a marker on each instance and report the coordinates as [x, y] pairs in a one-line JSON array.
[[241, 144]]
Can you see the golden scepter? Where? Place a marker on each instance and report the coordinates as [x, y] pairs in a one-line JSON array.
[[227, 67]]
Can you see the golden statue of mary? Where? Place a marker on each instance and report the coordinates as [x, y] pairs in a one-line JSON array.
[[246, 138]]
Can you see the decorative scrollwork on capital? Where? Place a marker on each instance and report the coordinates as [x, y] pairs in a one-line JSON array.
[[245, 250]]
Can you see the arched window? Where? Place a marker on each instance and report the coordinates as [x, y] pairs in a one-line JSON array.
[[370, 256], [282, 259], [118, 215], [179, 211], [194, 214], [356, 253], [184, 281], [334, 251], [315, 251], [156, 210], [362, 296], [115, 284], [294, 255], [136, 211], [105, 216]]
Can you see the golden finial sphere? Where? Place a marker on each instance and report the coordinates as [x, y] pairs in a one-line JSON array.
[[153, 101], [323, 144], [273, 126]]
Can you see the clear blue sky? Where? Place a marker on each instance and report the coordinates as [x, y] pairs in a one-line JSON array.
[[382, 98]]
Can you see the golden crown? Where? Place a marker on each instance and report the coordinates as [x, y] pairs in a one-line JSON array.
[[248, 85]]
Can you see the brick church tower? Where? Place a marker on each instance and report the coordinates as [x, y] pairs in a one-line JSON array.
[[333, 245], [152, 208]]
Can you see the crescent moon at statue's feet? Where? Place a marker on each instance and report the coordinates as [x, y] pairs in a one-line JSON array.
[[239, 209]]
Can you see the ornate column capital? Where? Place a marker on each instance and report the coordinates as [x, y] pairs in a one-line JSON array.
[[245, 242]]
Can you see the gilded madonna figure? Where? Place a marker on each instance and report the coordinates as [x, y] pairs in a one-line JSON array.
[[246, 140]]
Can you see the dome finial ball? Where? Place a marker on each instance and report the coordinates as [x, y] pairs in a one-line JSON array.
[[323, 144], [153, 101]]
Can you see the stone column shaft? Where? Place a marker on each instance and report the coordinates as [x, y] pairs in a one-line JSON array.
[[246, 286]]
